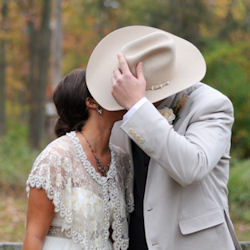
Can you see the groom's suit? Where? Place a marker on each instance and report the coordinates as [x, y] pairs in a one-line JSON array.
[[185, 204]]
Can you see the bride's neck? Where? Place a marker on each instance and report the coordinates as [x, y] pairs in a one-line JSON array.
[[98, 134]]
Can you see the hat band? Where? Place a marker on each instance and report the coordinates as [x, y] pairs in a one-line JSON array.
[[158, 86]]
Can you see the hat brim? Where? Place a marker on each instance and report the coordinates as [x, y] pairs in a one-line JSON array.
[[190, 66]]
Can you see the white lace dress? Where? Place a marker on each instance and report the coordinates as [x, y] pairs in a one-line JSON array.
[[87, 204]]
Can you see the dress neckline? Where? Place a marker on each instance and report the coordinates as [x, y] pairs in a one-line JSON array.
[[86, 163]]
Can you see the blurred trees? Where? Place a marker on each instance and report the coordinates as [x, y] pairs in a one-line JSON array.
[[56, 48], [183, 18], [220, 28], [103, 13], [39, 54], [236, 18], [3, 64], [228, 70]]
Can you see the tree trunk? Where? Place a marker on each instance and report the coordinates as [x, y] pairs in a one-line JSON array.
[[185, 18], [39, 45], [100, 18], [230, 23], [57, 43], [3, 64], [56, 67]]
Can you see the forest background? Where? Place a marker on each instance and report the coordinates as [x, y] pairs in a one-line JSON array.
[[41, 41]]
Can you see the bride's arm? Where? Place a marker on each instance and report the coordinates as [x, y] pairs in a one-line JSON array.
[[39, 216]]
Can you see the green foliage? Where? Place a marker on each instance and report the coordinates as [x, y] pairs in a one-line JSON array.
[[239, 191], [16, 156], [171, 16], [228, 71]]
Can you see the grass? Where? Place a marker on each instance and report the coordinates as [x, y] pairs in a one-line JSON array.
[[16, 157], [12, 216], [15, 164], [239, 197]]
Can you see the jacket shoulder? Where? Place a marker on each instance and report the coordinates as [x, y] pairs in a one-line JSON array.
[[206, 98]]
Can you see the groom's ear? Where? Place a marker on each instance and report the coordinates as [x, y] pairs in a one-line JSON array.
[[91, 103]]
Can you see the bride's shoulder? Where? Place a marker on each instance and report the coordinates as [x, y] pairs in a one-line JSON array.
[[61, 147], [62, 143]]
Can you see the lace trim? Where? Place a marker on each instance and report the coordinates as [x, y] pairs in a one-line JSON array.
[[101, 180], [35, 181], [41, 177], [108, 184], [87, 165], [56, 197], [78, 237]]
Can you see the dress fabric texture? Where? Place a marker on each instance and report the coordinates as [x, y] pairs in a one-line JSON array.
[[86, 204]]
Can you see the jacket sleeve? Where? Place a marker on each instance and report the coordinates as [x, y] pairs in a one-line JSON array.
[[190, 157]]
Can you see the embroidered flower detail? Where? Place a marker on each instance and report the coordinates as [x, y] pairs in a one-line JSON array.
[[168, 114]]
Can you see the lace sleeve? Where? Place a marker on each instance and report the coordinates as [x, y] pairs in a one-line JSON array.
[[51, 171]]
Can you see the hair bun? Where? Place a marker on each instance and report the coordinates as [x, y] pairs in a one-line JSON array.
[[62, 127], [70, 101]]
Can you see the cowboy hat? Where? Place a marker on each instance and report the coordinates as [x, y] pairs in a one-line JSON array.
[[170, 63]]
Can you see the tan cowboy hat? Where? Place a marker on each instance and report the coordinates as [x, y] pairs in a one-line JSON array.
[[170, 63]]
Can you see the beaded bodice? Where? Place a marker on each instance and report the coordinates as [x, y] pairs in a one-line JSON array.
[[87, 204]]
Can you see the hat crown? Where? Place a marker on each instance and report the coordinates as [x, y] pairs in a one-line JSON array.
[[157, 53], [170, 63]]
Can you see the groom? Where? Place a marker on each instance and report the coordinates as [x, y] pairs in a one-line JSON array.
[[181, 160]]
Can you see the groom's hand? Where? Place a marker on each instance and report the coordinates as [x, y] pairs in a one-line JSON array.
[[127, 88]]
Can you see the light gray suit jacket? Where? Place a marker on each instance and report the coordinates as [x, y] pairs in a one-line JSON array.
[[185, 202]]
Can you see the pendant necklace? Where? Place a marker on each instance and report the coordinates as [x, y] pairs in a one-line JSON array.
[[103, 169]]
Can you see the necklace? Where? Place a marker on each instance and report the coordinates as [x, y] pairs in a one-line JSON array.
[[103, 169]]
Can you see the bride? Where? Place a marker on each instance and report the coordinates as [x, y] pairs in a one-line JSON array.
[[80, 186]]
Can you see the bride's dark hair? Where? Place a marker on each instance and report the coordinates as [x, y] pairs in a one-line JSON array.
[[70, 101]]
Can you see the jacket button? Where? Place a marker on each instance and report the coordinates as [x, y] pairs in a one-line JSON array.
[[138, 138], [141, 140], [131, 131]]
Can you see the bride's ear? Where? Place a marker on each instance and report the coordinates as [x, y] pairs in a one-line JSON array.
[[91, 103]]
